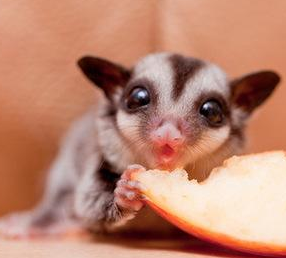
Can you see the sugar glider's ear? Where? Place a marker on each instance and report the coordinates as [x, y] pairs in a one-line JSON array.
[[106, 75], [251, 90]]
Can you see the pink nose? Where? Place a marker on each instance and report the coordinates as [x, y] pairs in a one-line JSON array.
[[167, 133]]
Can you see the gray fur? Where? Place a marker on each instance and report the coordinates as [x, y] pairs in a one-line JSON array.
[[109, 136]]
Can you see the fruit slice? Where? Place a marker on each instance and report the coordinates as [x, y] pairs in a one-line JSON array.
[[241, 205]]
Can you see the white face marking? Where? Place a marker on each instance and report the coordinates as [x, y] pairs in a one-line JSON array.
[[207, 79], [157, 68], [212, 139], [159, 71]]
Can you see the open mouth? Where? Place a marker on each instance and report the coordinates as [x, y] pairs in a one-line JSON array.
[[167, 151], [166, 155]]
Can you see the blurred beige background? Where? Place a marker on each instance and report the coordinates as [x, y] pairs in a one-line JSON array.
[[41, 89]]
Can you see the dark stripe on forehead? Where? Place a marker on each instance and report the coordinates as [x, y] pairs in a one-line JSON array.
[[184, 68]]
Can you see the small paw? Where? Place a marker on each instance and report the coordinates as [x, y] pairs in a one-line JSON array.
[[17, 226], [23, 226], [128, 193]]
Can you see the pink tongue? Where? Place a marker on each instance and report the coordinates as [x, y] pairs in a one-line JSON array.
[[167, 151]]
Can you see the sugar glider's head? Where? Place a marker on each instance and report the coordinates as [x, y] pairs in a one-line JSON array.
[[172, 110]]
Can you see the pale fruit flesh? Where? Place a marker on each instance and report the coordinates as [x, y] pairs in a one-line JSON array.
[[241, 204]]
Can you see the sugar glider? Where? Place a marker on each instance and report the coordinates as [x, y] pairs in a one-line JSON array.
[[167, 111]]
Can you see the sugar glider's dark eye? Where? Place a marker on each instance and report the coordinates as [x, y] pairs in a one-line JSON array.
[[212, 111], [138, 97]]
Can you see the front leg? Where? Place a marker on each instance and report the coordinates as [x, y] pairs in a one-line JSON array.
[[127, 194], [105, 200]]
